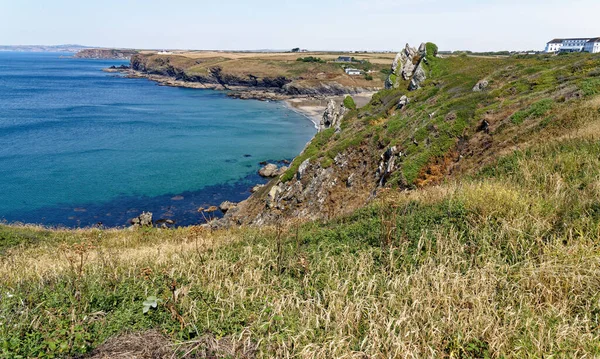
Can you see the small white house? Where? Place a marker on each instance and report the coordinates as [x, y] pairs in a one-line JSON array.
[[164, 52], [353, 72], [593, 45]]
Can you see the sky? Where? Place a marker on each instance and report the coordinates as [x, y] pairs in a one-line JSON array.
[[477, 25]]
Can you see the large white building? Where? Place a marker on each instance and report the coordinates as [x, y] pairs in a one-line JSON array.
[[574, 45]]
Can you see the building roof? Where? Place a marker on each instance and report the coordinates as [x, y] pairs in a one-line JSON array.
[[556, 41], [595, 39]]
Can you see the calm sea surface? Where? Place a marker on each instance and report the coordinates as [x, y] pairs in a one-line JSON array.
[[80, 146]]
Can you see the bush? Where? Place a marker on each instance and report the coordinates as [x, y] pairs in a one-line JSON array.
[[311, 59], [368, 77], [349, 103]]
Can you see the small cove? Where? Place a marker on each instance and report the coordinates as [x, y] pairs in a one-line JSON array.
[[80, 146]]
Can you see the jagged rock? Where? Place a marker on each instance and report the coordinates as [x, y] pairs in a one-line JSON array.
[[422, 48], [226, 206], [257, 188], [273, 193], [332, 117], [350, 180], [302, 169], [404, 100], [143, 220], [270, 170], [408, 66], [396, 62], [389, 83], [481, 85], [387, 165], [418, 78]]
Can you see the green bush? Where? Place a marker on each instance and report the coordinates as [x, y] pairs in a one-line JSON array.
[[311, 59], [349, 103]]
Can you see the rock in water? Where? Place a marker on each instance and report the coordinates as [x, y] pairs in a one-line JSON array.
[[270, 170], [143, 220]]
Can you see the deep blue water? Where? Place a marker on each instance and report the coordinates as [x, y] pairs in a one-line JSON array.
[[80, 146]]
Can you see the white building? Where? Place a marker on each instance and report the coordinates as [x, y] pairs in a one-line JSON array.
[[353, 72], [593, 45], [573, 45]]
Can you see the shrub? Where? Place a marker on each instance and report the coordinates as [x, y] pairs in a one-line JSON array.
[[368, 77], [310, 59], [536, 110], [349, 103]]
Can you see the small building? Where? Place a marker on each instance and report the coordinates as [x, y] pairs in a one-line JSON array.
[[353, 72], [593, 45], [164, 52], [344, 59]]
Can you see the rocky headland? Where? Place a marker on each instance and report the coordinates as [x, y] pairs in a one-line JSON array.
[[105, 54]]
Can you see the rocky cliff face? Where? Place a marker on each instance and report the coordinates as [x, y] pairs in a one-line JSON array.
[[114, 54], [408, 66], [322, 189], [216, 78]]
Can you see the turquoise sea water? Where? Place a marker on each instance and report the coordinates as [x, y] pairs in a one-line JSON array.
[[80, 146]]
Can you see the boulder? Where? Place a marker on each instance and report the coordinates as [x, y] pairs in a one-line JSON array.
[[226, 206], [273, 193], [282, 170], [257, 188], [143, 220], [481, 85], [302, 169], [270, 170], [404, 100], [387, 165]]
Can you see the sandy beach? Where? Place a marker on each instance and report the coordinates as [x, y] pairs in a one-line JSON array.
[[313, 108]]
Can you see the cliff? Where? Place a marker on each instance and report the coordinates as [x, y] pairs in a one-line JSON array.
[[438, 119], [113, 54], [276, 76]]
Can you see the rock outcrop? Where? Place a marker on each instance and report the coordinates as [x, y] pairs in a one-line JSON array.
[[408, 65], [404, 100], [332, 117], [480, 86], [227, 206], [269, 170], [143, 220], [387, 165]]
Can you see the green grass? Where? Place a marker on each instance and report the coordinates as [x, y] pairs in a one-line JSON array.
[[504, 264]]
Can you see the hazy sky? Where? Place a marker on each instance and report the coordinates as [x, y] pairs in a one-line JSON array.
[[282, 24]]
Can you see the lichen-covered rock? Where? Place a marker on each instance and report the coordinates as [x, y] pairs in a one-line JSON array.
[[404, 100], [480, 86], [302, 169], [143, 220], [387, 165], [418, 78], [332, 117]]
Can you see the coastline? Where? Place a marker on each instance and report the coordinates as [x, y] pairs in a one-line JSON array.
[[310, 106]]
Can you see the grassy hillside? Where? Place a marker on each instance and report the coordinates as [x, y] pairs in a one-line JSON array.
[[274, 65], [527, 99], [498, 259]]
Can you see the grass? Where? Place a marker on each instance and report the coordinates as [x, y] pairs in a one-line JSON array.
[[505, 264], [499, 260]]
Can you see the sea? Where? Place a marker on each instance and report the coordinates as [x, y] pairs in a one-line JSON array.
[[80, 147]]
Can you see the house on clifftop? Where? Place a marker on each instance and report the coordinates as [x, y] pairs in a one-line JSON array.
[[573, 45]]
